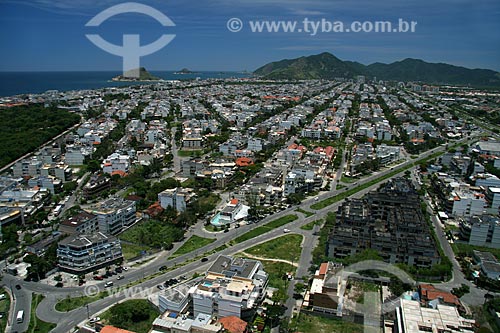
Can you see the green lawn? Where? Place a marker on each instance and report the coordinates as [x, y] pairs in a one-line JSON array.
[[265, 228], [37, 325], [285, 247], [136, 315], [210, 228], [317, 324], [192, 244], [4, 307], [133, 250], [310, 225], [189, 153], [69, 304], [305, 212], [348, 180]]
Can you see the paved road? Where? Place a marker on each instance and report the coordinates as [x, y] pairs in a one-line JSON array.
[[21, 301], [66, 321]]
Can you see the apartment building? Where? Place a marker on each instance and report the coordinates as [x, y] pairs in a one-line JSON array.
[[114, 215], [82, 223], [231, 287], [80, 254], [177, 198], [412, 318], [388, 220]]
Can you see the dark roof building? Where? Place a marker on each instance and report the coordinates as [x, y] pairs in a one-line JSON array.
[[388, 220]]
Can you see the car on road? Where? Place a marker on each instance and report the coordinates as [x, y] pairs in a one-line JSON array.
[[204, 259], [125, 268], [108, 284], [94, 320], [18, 286], [163, 268], [98, 277], [286, 230], [120, 277]]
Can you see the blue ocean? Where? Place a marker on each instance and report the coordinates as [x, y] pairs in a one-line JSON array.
[[15, 83]]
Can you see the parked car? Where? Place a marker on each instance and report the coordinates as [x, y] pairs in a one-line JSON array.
[[204, 259], [120, 277], [160, 287], [98, 277], [108, 284], [94, 320]]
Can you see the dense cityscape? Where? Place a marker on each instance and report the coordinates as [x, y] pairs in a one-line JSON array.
[[245, 205]]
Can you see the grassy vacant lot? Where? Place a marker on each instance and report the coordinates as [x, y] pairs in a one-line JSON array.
[[276, 271], [285, 247], [265, 228], [310, 225], [466, 248], [37, 325], [133, 250], [136, 315], [4, 307], [308, 323], [192, 244], [153, 233]]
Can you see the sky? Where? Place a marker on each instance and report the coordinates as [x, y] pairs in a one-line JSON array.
[[49, 35]]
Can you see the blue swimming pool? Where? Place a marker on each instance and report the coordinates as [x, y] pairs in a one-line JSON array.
[[215, 220]]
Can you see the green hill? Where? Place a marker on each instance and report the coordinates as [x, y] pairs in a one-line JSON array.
[[327, 66]]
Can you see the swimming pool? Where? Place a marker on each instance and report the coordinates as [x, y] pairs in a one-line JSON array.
[[216, 220]]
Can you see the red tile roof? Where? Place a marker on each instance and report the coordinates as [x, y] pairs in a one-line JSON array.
[[233, 324], [323, 268], [234, 201], [429, 293], [112, 329], [243, 161]]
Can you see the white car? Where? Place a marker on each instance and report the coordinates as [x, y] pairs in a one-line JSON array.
[[108, 284], [94, 320], [286, 230]]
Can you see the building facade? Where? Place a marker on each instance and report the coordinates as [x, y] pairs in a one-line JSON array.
[[80, 254]]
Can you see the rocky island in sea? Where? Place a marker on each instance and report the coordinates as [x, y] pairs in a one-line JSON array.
[[140, 74], [185, 71]]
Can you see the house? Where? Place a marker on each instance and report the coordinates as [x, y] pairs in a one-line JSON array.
[[324, 294], [233, 324], [112, 329], [429, 293], [234, 211]]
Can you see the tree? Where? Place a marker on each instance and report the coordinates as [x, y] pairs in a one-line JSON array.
[[93, 166]]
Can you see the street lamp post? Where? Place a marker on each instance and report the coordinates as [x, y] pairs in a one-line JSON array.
[[88, 311]]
